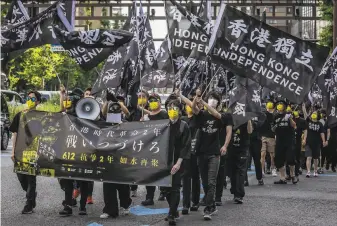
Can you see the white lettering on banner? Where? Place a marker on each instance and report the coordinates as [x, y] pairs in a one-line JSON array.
[[261, 37], [80, 57], [238, 26]]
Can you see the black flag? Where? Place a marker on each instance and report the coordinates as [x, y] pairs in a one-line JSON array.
[[271, 57]]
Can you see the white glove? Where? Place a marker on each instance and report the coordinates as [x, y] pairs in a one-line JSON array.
[[287, 116]]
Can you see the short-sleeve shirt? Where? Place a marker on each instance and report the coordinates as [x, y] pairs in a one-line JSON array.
[[314, 133], [240, 137], [210, 128]]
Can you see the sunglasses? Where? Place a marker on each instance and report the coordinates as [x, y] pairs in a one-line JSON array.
[[153, 100], [31, 98], [173, 108]]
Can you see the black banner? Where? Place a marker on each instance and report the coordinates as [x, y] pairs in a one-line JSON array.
[[60, 145], [271, 57], [16, 14]]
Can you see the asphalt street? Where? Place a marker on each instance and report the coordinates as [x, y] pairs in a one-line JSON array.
[[311, 202]]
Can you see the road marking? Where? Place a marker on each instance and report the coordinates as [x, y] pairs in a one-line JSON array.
[[94, 224], [6, 155]]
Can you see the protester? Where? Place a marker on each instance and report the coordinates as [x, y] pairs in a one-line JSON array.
[[180, 141], [210, 122], [312, 136], [325, 154], [268, 139], [28, 182], [156, 113], [284, 127], [237, 158]]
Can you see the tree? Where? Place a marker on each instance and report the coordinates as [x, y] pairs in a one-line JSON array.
[[326, 35]]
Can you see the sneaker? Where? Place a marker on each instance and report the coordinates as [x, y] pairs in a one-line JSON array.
[[246, 183], [27, 209], [194, 207], [288, 178], [161, 197], [261, 182], [300, 171], [263, 175], [315, 174], [327, 167], [76, 193], [268, 171], [274, 173], [320, 171], [184, 211], [207, 215], [104, 216], [148, 202], [213, 211], [280, 182], [89, 200], [308, 175], [67, 211], [134, 193], [123, 211], [73, 202], [294, 180], [238, 200], [333, 169], [83, 211], [171, 220]]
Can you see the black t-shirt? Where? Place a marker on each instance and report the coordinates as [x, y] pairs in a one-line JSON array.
[[193, 129], [314, 133], [209, 133], [283, 130], [301, 125], [240, 137], [228, 120], [159, 116], [266, 128], [14, 127]]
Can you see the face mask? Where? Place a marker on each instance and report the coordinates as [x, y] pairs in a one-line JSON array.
[[224, 109], [288, 109], [296, 114], [280, 107], [188, 110], [31, 104], [270, 105], [314, 116], [322, 116], [141, 101], [67, 104], [173, 114], [212, 102], [154, 106]]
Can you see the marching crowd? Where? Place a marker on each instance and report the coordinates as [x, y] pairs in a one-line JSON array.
[[282, 141]]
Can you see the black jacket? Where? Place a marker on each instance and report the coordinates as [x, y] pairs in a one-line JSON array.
[[180, 140]]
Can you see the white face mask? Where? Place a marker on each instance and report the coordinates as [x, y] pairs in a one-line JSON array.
[[212, 102]]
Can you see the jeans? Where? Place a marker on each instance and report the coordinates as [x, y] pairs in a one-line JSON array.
[[237, 158], [221, 178], [110, 198], [28, 184], [209, 167], [172, 194], [68, 187]]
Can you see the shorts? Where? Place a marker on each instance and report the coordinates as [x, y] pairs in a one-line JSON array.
[[313, 152], [268, 144], [284, 153]]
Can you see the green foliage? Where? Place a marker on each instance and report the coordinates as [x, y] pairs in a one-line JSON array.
[[326, 35], [37, 68]]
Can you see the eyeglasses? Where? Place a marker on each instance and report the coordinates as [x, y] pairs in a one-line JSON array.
[[173, 108], [31, 98]]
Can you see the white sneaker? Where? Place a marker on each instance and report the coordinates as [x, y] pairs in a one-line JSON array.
[[274, 173], [315, 174], [104, 216], [263, 174], [308, 175], [124, 212], [134, 193]]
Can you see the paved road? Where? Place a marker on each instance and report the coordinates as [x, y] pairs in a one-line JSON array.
[[312, 202]]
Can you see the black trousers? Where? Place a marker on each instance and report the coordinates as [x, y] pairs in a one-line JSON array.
[[187, 186], [150, 190], [91, 188], [255, 152], [209, 167], [237, 159], [221, 179], [298, 150], [191, 182], [68, 187], [333, 151], [172, 194], [28, 184], [110, 198]]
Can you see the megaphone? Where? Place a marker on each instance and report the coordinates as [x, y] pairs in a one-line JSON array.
[[88, 108]]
